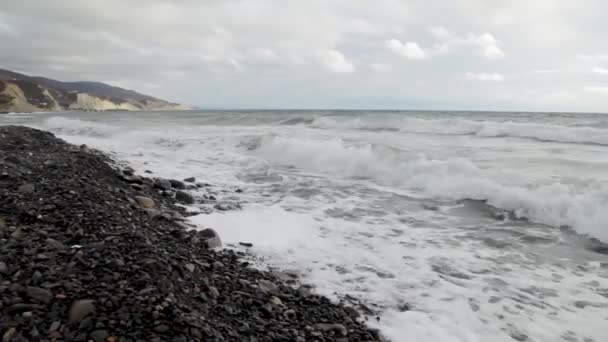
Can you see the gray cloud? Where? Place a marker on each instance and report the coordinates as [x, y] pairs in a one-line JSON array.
[[320, 53]]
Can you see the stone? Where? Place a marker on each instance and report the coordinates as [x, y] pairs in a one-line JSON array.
[[177, 184], [184, 197], [145, 202], [266, 285], [213, 292], [54, 244], [190, 267], [246, 244], [26, 188], [153, 213], [55, 326], [190, 180], [9, 334], [163, 184], [276, 301], [3, 268], [99, 335], [39, 294], [163, 328], [225, 206], [80, 309], [211, 238], [2, 223], [335, 327]]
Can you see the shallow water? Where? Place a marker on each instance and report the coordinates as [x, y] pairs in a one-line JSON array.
[[480, 222]]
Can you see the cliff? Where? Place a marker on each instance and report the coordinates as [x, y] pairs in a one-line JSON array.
[[22, 93]]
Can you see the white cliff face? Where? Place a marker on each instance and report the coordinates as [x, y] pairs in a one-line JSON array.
[[13, 99], [88, 102]]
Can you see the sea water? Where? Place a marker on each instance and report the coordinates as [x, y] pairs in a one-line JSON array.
[[448, 226]]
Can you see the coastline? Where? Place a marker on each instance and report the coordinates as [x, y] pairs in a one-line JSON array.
[[90, 252]]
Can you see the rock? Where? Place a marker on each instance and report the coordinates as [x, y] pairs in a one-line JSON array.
[[212, 239], [177, 184], [137, 187], [9, 334], [276, 301], [238, 191], [190, 180], [55, 326], [163, 184], [266, 285], [80, 309], [54, 244], [2, 223], [246, 244], [184, 197], [145, 202], [190, 267], [26, 188], [213, 292], [39, 294], [225, 206], [153, 213], [335, 327], [99, 335], [3, 268], [161, 328], [128, 171]]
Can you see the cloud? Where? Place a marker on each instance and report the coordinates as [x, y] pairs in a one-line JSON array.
[[593, 57], [485, 44], [334, 61], [380, 67], [600, 70], [597, 90], [546, 71], [485, 77], [409, 50]]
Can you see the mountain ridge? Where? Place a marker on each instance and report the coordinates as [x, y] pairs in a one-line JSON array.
[[23, 93]]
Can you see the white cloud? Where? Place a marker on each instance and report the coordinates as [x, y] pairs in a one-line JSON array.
[[600, 70], [334, 61], [485, 44], [597, 90], [409, 50], [485, 77], [380, 67], [593, 57], [546, 71]]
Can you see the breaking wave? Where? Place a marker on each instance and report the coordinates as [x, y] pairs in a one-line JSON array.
[[580, 206]]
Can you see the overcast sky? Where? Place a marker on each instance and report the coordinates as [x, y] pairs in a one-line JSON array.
[[547, 55]]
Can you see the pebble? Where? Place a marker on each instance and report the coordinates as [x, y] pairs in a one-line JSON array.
[[26, 188], [190, 180], [184, 197], [39, 294], [80, 309], [145, 202]]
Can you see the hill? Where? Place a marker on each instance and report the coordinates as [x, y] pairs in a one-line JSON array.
[[23, 93]]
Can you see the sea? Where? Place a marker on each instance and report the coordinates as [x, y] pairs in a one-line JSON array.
[[446, 226]]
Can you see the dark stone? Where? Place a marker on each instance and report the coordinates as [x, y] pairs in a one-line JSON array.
[[3, 268], [162, 184], [246, 244], [80, 309], [99, 335], [26, 188], [39, 294], [190, 180], [184, 197], [177, 184]]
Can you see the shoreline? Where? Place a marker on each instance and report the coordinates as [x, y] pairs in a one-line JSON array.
[[93, 253]]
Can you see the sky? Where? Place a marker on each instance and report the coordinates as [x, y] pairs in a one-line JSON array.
[[525, 55]]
